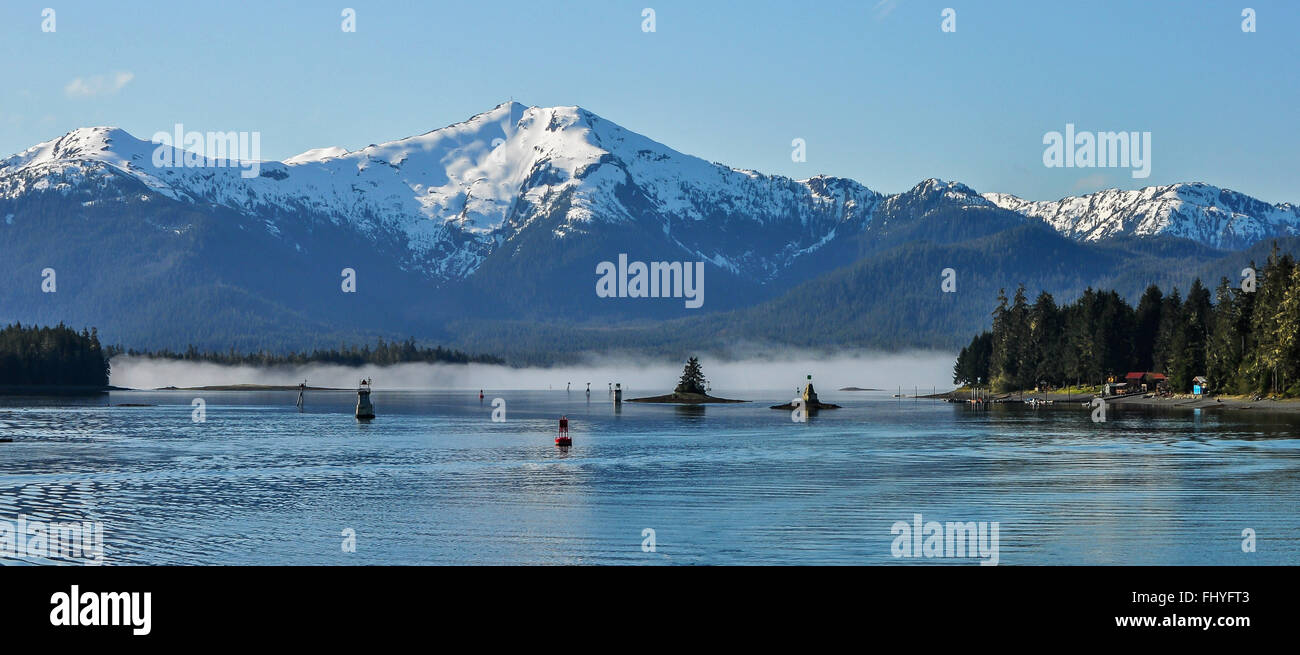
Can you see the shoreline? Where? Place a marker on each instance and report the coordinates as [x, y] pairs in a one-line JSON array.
[[1228, 403], [1225, 403], [56, 389]]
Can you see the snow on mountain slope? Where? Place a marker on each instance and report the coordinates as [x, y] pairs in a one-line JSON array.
[[454, 195], [316, 155], [1206, 214], [79, 157], [444, 202]]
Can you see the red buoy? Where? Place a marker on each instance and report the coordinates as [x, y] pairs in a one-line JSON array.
[[562, 439]]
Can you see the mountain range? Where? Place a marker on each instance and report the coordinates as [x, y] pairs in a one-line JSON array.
[[486, 235]]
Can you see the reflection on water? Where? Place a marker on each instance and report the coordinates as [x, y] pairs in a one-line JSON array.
[[434, 480]]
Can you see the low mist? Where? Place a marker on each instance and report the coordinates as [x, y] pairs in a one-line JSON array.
[[866, 370]]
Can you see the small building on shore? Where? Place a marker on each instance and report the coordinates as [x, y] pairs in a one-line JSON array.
[[1146, 381], [1200, 385]]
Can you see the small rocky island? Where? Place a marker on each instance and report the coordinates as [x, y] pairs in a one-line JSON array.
[[810, 400], [692, 389]]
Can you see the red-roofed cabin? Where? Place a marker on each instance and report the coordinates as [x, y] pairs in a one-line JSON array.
[[1146, 379]]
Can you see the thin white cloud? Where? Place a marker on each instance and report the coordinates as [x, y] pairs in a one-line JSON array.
[[98, 85], [884, 8]]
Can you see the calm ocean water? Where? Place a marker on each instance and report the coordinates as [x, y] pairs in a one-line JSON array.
[[434, 481]]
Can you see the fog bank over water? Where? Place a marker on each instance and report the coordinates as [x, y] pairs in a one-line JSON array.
[[886, 371]]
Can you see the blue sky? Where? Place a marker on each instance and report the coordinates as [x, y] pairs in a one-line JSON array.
[[875, 88]]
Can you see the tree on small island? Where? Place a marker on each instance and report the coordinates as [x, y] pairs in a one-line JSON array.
[[692, 378], [692, 389]]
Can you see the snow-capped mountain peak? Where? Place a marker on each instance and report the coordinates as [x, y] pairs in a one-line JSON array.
[[453, 195], [86, 143], [1201, 212]]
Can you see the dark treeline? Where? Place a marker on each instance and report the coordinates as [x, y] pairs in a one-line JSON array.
[[55, 355], [382, 354], [1244, 340]]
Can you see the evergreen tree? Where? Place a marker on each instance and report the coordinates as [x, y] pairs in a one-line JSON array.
[[1190, 360], [1268, 325], [1083, 357], [1287, 375], [1169, 334], [1113, 333], [972, 367], [1225, 351], [1001, 351], [1045, 341], [981, 354], [1147, 324], [961, 369], [692, 380], [1011, 340]]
